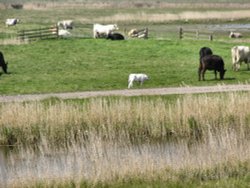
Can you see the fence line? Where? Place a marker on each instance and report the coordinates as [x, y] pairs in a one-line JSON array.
[[41, 33], [195, 34]]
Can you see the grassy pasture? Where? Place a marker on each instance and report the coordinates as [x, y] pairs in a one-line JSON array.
[[88, 64]]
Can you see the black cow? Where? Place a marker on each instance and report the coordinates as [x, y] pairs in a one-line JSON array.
[[211, 62], [204, 52], [2, 63], [115, 36]]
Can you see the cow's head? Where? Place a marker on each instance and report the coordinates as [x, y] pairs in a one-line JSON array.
[[222, 73], [115, 27]]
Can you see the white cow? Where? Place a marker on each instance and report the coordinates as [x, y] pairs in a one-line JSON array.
[[103, 30], [235, 35], [11, 21], [240, 54], [65, 24], [136, 77], [63, 33]]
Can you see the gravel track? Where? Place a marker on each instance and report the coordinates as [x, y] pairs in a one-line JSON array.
[[126, 92]]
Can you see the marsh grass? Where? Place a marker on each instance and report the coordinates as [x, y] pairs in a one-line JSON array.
[[61, 122], [99, 162]]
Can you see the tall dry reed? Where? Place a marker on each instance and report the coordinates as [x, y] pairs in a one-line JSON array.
[[120, 139], [63, 122]]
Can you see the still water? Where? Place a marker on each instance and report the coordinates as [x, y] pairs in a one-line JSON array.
[[99, 160]]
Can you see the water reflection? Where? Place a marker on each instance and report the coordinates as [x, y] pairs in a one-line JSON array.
[[102, 160]]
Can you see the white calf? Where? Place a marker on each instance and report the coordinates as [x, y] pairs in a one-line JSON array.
[[136, 77], [100, 30]]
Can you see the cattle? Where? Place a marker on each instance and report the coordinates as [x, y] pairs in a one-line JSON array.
[[65, 24], [3, 64], [204, 51], [135, 33], [138, 77], [63, 33], [240, 54], [115, 36], [103, 30], [11, 21], [235, 35], [211, 62]]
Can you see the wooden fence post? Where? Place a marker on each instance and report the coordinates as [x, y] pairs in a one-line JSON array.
[[197, 34], [211, 37], [180, 33], [146, 33]]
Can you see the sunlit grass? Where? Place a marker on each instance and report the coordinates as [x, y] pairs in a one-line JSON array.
[[88, 64]]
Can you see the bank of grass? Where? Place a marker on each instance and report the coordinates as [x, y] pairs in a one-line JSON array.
[[68, 65], [237, 181]]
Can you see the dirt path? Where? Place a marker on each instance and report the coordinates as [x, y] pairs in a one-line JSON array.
[[127, 92]]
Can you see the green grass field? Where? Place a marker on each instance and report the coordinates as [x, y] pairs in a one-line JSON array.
[[89, 64]]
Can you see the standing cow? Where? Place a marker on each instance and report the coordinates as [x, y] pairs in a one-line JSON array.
[[136, 77], [103, 30], [3, 64], [240, 54], [211, 62], [204, 51]]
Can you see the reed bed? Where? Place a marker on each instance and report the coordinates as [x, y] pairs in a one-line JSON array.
[[62, 122], [108, 141], [99, 162]]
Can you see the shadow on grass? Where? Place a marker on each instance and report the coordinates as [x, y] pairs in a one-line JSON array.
[[225, 79]]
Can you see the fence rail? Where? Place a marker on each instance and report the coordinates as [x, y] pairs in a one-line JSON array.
[[195, 34], [35, 34]]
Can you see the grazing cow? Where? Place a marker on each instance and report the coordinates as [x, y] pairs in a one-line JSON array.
[[204, 51], [138, 78], [235, 35], [11, 21], [3, 64], [211, 62], [103, 30], [115, 36], [240, 54], [65, 24]]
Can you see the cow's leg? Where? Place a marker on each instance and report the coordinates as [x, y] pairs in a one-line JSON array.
[[199, 74], [215, 74], [130, 84], [238, 66], [203, 74]]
